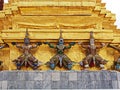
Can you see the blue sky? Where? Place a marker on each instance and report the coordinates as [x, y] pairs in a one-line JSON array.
[[113, 6]]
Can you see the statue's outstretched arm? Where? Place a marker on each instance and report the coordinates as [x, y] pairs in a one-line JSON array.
[[17, 45], [36, 45], [102, 45], [70, 45], [114, 47], [50, 45], [84, 46]]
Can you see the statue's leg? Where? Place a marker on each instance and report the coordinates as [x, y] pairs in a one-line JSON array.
[[100, 61], [82, 62], [15, 60], [36, 64], [32, 61], [87, 61], [21, 59], [54, 61], [116, 64], [67, 62], [18, 64]]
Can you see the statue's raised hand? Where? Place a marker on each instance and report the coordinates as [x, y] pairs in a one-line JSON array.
[[72, 43], [13, 43], [105, 44], [39, 43], [79, 43], [46, 42]]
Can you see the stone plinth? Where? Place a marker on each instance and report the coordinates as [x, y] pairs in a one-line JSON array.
[[59, 80]]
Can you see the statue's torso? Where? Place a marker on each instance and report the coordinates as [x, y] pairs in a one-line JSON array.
[[26, 49], [92, 50], [60, 49]]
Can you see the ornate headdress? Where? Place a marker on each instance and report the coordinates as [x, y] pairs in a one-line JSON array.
[[92, 40], [61, 40], [26, 39]]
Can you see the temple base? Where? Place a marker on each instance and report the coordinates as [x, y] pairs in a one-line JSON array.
[[59, 79]]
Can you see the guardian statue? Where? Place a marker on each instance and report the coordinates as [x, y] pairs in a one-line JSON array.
[[60, 58], [26, 59], [92, 58]]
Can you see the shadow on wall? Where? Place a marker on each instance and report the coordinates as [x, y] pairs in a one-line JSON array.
[[1, 4]]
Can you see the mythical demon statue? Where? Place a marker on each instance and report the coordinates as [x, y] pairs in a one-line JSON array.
[[92, 58], [117, 61], [60, 58], [26, 59]]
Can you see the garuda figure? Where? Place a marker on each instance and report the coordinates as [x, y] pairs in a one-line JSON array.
[[92, 58], [26, 59], [117, 61], [60, 58]]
